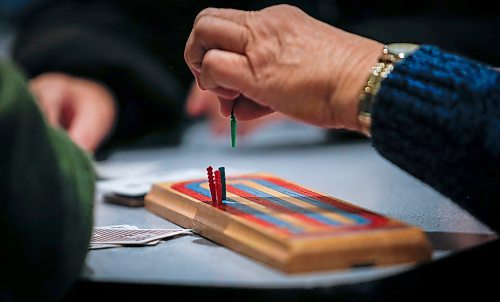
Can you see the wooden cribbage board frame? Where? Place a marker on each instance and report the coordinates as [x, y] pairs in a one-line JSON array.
[[288, 226]]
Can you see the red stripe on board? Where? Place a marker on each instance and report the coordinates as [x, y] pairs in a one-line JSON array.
[[352, 229], [181, 187]]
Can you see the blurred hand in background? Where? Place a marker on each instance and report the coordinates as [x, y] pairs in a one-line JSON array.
[[84, 108]]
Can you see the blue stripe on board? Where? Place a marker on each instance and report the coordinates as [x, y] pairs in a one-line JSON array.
[[249, 210], [359, 219], [288, 205]]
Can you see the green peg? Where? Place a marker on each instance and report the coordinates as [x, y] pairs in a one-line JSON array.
[[233, 129], [222, 171]]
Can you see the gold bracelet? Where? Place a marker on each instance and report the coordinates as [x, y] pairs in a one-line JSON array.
[[391, 55], [378, 73]]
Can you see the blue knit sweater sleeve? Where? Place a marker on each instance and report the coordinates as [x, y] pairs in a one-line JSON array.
[[437, 116]]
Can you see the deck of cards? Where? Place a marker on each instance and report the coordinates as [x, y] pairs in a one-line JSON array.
[[127, 235]]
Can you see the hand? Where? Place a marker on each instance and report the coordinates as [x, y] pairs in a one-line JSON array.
[[280, 59], [85, 109], [204, 103]]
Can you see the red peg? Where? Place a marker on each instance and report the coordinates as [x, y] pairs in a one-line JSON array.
[[218, 187], [211, 185]]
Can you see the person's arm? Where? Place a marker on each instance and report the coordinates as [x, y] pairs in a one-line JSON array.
[[46, 199], [437, 116]]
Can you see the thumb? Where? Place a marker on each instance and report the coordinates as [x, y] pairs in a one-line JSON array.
[[91, 123], [85, 132]]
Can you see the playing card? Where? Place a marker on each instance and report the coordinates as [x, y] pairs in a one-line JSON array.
[[98, 246], [126, 236]]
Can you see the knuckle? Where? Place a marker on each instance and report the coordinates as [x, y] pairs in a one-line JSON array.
[[208, 11], [289, 8], [204, 13], [203, 27]]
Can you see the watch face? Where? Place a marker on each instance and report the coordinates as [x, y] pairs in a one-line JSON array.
[[401, 50]]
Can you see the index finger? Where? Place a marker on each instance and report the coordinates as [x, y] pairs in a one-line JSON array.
[[214, 33], [229, 14]]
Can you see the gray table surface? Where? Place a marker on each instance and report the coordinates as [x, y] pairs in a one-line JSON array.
[[350, 170]]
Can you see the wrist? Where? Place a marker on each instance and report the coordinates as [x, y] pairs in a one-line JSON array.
[[352, 78]]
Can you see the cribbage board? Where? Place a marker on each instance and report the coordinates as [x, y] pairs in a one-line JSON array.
[[287, 226]]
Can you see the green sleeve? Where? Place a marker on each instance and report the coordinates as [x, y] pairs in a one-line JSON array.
[[46, 198]]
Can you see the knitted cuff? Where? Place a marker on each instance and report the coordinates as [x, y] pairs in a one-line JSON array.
[[437, 117]]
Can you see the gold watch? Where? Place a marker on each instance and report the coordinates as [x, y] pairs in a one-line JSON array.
[[391, 54]]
